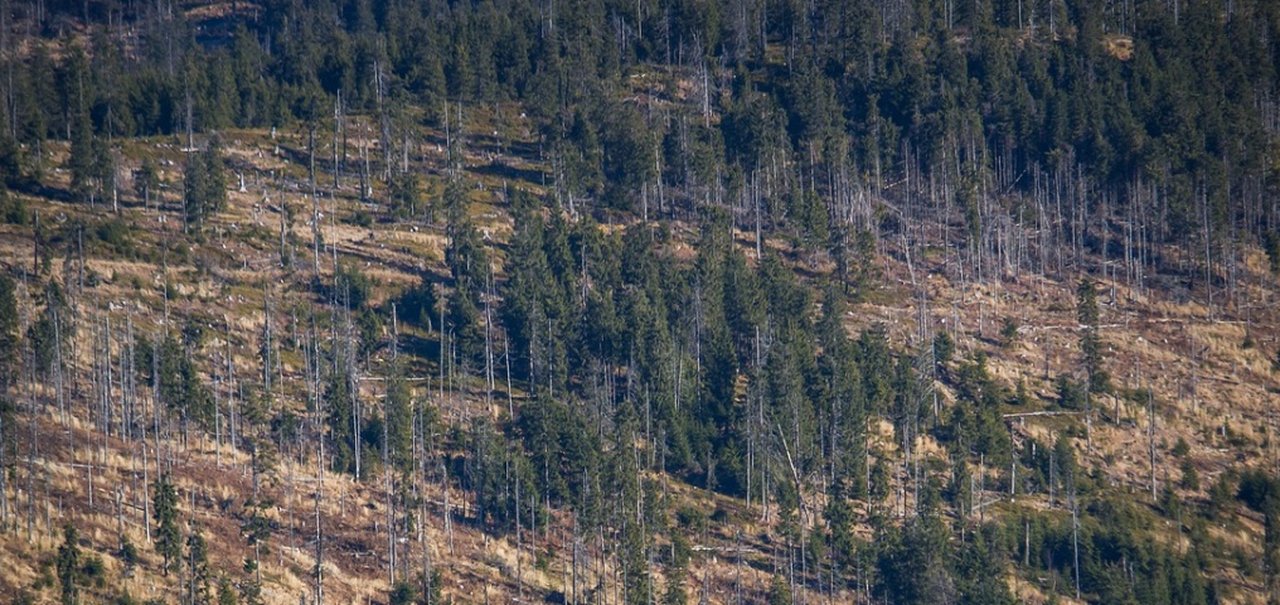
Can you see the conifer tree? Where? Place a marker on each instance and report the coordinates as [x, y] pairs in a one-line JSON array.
[[146, 180], [197, 577], [1090, 341], [226, 593], [68, 564], [80, 161], [8, 331], [204, 187], [168, 536], [50, 333]]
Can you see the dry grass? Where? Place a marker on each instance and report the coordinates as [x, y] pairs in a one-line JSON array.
[[1118, 46], [1210, 390]]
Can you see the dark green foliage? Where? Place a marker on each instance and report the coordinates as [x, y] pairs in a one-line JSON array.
[[1261, 493], [9, 343], [340, 402], [560, 445], [1257, 490], [469, 265], [976, 423], [13, 210], [403, 593], [181, 389], [835, 131], [977, 577], [124, 598], [539, 296], [913, 563], [250, 587], [128, 555], [50, 333], [779, 592], [75, 83], [400, 412], [463, 321], [842, 406], [405, 197], [116, 235], [204, 187], [226, 593], [1117, 564], [10, 165], [1222, 494], [677, 569], [197, 578], [68, 563], [496, 474], [146, 181], [1090, 341], [1190, 476], [1271, 245], [943, 347], [842, 541], [1008, 332], [1071, 394], [351, 287], [168, 536], [1065, 461], [257, 528], [626, 156], [429, 590]]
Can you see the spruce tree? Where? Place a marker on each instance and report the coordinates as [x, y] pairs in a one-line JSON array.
[[226, 592], [204, 186], [50, 333], [146, 180], [193, 191], [197, 579], [68, 564], [168, 535], [8, 331], [1090, 341]]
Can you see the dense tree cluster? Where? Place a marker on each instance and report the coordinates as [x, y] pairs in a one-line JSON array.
[[979, 122]]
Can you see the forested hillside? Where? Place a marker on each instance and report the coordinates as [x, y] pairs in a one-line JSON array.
[[639, 302]]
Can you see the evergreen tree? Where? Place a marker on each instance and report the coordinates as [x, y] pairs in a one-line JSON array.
[[914, 563], [204, 187], [128, 554], [469, 265], [677, 570], [168, 536], [181, 389], [9, 344], [340, 403], [226, 593], [194, 188], [402, 593], [197, 577], [77, 97], [250, 586], [399, 420], [1090, 341], [779, 591], [405, 197], [68, 564], [51, 331], [80, 161], [146, 181]]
